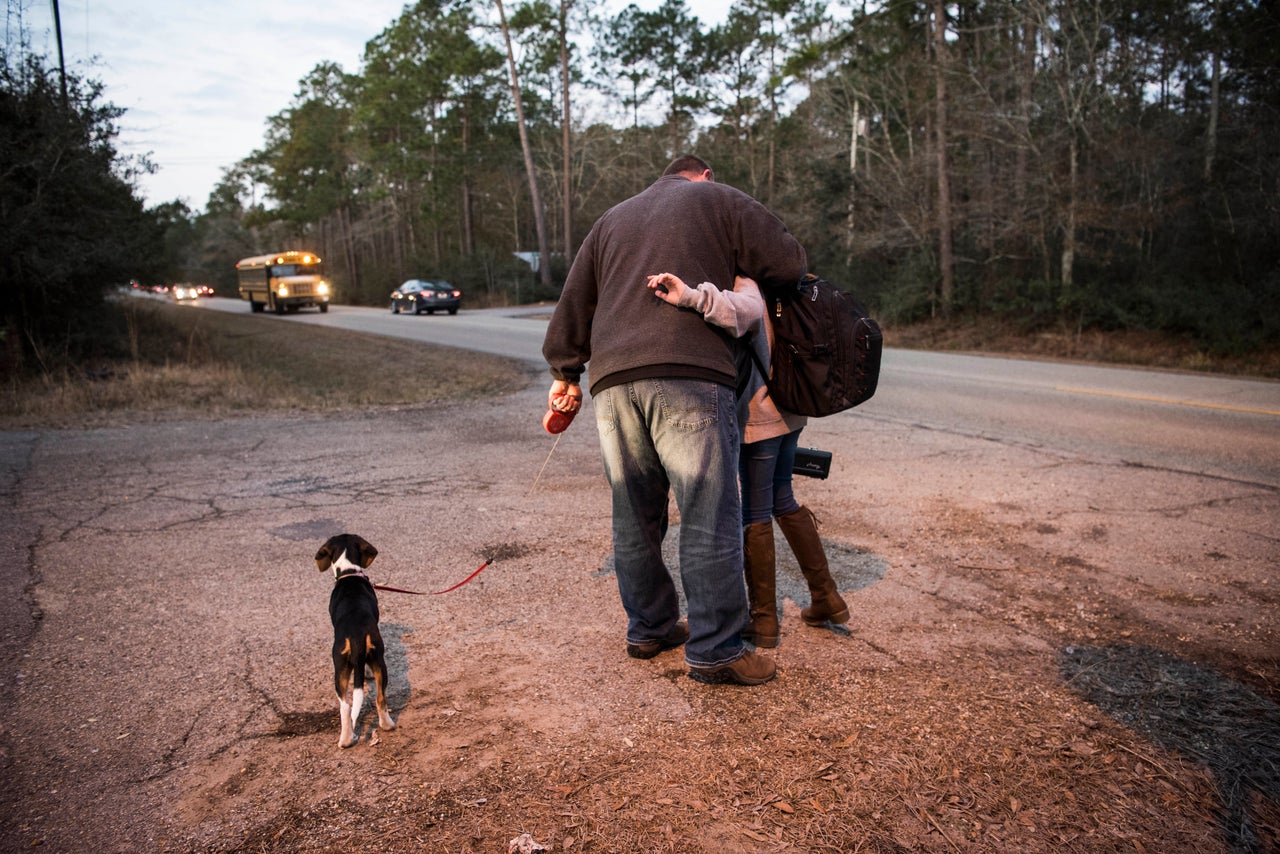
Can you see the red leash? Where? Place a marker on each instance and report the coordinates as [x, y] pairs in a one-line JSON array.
[[436, 592]]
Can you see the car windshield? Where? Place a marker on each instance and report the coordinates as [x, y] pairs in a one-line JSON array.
[[410, 287]]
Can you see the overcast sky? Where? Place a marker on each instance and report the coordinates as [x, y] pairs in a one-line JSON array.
[[198, 80]]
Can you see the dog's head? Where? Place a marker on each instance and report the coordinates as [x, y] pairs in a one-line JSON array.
[[345, 551]]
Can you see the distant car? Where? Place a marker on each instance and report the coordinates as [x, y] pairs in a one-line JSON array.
[[419, 295], [181, 292]]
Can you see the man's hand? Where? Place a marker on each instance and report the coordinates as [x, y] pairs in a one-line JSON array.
[[565, 396], [563, 402]]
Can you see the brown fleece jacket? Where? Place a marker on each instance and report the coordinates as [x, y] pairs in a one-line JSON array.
[[700, 231]]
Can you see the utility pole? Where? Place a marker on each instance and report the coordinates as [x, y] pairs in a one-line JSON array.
[[62, 62]]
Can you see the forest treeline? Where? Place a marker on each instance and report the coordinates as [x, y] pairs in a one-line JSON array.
[[1077, 164]]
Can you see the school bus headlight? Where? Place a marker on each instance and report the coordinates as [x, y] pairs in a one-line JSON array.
[[323, 289], [284, 291]]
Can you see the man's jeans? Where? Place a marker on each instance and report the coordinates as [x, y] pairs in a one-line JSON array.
[[676, 435]]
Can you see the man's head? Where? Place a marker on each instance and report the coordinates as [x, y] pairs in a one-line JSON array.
[[692, 167]]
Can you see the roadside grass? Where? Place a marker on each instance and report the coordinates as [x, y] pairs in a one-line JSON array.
[[165, 361], [1127, 348]]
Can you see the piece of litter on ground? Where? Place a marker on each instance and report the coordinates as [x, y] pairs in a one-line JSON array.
[[525, 844]]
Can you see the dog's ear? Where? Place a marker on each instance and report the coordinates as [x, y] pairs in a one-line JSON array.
[[367, 552], [325, 557]]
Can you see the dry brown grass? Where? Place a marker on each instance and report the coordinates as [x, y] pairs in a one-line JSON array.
[[217, 364]]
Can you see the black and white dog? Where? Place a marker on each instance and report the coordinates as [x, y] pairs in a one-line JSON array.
[[353, 607]]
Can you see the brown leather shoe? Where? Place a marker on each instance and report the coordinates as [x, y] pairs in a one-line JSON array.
[[751, 669], [648, 649]]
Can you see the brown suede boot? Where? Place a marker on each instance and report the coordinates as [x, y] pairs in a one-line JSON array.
[[801, 530], [758, 563]]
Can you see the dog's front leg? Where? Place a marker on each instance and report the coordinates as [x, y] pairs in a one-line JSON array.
[[348, 736], [357, 704]]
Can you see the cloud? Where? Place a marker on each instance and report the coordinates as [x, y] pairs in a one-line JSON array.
[[199, 80]]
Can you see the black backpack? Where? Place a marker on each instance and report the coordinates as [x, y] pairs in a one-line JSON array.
[[826, 349]]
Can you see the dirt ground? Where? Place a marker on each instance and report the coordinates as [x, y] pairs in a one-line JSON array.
[[1048, 652]]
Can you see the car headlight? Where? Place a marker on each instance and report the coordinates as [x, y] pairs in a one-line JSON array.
[[284, 290], [323, 289]]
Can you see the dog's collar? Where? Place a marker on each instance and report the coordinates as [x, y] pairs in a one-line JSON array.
[[348, 572]]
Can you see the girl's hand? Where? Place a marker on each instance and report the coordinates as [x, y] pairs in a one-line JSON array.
[[667, 287]]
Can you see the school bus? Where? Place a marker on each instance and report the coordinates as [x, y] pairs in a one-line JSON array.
[[283, 280]]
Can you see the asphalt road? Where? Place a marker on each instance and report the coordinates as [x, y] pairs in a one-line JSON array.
[[1209, 425]]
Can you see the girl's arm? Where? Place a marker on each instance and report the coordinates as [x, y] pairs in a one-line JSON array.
[[739, 311]]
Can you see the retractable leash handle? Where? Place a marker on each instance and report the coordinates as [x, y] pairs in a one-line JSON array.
[[556, 421]]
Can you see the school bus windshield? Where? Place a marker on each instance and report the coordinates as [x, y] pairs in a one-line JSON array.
[[294, 269]]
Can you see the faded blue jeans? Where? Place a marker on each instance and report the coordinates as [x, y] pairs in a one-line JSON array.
[[678, 436]]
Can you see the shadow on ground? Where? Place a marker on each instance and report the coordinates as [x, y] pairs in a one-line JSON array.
[[1199, 714], [852, 569]]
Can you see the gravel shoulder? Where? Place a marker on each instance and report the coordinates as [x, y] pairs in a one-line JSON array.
[[1065, 656]]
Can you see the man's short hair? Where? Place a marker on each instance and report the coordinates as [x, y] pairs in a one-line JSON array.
[[688, 163]]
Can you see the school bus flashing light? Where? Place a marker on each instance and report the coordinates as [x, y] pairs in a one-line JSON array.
[[302, 258]]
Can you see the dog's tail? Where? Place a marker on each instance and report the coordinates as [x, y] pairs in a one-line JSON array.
[[357, 691], [358, 660]]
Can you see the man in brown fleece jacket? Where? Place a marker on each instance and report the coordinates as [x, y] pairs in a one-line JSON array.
[[663, 389]]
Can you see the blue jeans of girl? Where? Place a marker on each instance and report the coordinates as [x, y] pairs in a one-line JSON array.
[[765, 469]]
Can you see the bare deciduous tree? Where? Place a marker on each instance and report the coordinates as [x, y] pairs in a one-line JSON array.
[[539, 216]]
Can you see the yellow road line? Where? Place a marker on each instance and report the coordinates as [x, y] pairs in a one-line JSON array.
[[1171, 400]]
